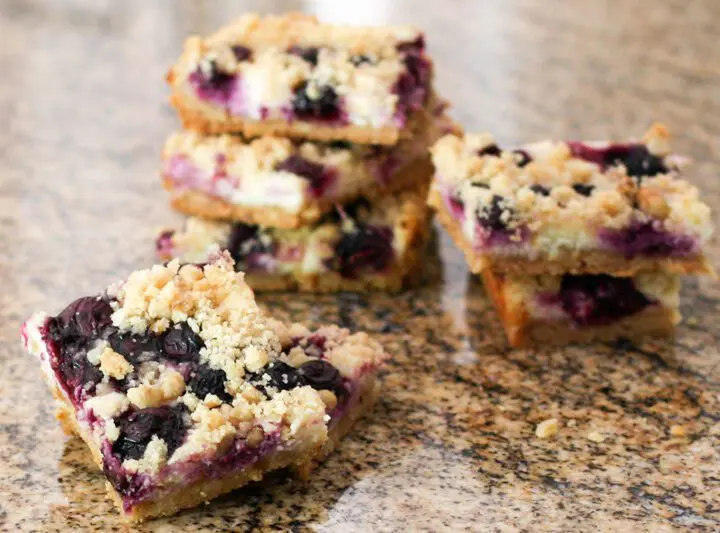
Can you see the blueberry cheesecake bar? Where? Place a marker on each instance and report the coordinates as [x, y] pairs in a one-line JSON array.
[[571, 207], [547, 309], [357, 247], [183, 390], [291, 75], [275, 181]]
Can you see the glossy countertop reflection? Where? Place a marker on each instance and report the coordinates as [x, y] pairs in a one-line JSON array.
[[451, 445]]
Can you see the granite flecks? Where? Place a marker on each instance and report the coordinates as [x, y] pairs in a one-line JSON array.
[[451, 444]]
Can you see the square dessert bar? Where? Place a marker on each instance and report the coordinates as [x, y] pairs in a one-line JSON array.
[[357, 247], [183, 390], [547, 309], [275, 181], [290, 75], [570, 207]]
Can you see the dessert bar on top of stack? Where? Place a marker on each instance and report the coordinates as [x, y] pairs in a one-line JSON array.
[[183, 390], [311, 142], [576, 241]]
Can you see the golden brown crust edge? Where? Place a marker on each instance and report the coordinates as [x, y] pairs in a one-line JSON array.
[[588, 262], [198, 203], [202, 492]]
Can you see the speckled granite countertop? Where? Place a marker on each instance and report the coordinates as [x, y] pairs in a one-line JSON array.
[[451, 445]]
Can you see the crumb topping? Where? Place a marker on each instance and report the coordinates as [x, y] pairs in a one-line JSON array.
[[551, 185], [109, 405], [163, 389], [201, 368], [113, 364]]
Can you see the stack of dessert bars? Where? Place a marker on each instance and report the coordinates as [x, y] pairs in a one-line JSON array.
[[304, 153], [575, 241]]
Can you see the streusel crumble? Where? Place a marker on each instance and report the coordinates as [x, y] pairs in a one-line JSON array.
[[184, 390]]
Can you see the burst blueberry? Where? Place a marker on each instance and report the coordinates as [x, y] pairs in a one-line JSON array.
[[138, 427], [600, 299], [85, 317], [366, 247], [318, 175]]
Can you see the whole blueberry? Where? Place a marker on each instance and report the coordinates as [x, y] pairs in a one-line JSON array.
[[182, 343], [282, 376], [205, 380], [136, 348], [319, 374]]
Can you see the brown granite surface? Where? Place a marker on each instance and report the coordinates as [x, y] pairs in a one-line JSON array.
[[451, 445]]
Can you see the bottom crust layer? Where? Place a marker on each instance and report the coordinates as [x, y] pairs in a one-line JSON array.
[[301, 463], [523, 331], [588, 262]]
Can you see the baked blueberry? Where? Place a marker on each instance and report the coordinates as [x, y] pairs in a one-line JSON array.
[[521, 157], [138, 427], [181, 343], [136, 348], [491, 149], [491, 216], [540, 189], [205, 380], [365, 247], [319, 176], [583, 189], [309, 54], [319, 374], [241, 53], [84, 317], [326, 106], [600, 299]]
